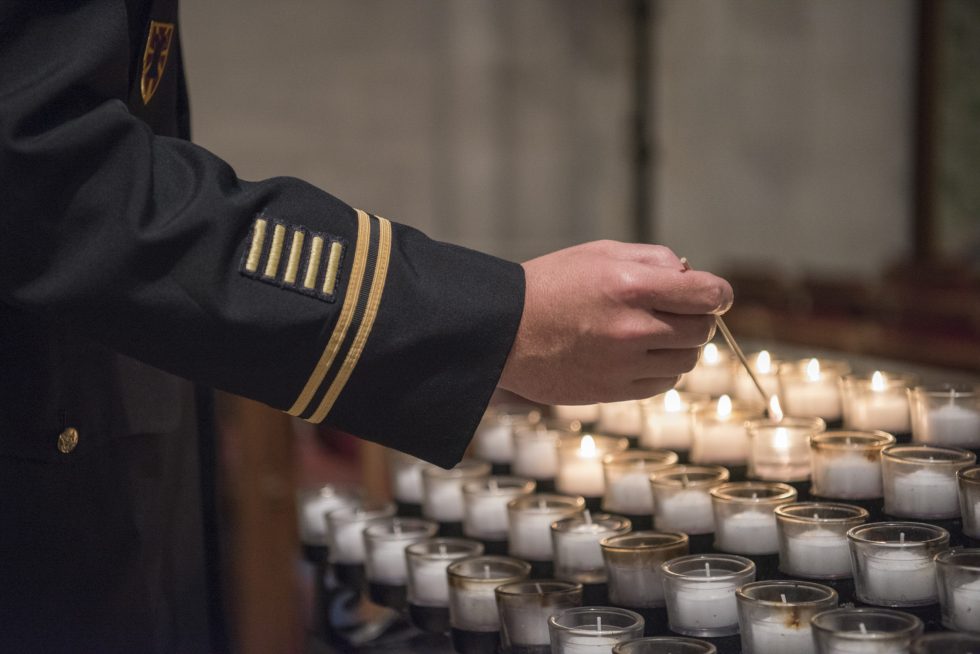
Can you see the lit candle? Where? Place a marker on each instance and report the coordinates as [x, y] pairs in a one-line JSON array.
[[627, 476], [577, 553], [682, 498], [893, 562], [878, 402], [580, 463], [810, 387], [745, 522], [485, 505], [780, 451], [667, 420], [530, 518], [713, 373], [847, 464], [813, 538], [774, 616], [764, 367], [946, 415], [958, 575], [920, 480], [620, 418], [719, 432], [864, 631], [593, 629], [700, 593]]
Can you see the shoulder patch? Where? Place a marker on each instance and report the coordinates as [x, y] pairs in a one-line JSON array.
[[293, 258], [155, 57]]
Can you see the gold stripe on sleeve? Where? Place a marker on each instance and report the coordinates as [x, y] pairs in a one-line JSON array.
[[333, 263], [313, 265], [275, 251], [295, 254], [367, 322], [255, 251], [343, 321]]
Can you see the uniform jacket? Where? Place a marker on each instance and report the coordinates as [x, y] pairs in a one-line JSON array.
[[131, 259]]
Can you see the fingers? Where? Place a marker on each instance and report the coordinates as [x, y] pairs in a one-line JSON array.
[[673, 290], [668, 363], [642, 388], [652, 255]]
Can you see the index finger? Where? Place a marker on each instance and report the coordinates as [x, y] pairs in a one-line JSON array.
[[673, 290]]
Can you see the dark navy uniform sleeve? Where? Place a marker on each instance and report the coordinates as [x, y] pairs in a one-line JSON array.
[[273, 290]]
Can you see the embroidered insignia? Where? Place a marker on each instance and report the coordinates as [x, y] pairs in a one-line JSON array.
[[155, 58], [293, 258]]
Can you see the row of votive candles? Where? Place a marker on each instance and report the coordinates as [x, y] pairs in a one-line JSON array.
[[942, 414], [488, 597]]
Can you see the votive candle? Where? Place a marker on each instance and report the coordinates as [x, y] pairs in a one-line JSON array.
[[847, 464], [920, 480], [682, 498], [592, 629], [968, 482], [577, 553], [893, 562], [667, 420], [494, 437], [580, 463], [765, 367], [633, 566], [442, 498], [813, 538], [713, 373], [700, 592], [774, 616], [529, 523], [877, 402], [745, 520], [810, 387], [947, 414], [627, 480], [485, 505], [780, 451], [958, 577], [864, 631], [525, 608], [719, 434]]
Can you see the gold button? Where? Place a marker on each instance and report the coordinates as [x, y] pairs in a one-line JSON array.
[[67, 440]]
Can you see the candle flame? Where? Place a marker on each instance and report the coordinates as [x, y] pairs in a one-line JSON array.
[[878, 381], [711, 354], [672, 401], [587, 447], [775, 409], [763, 362], [813, 370], [780, 440], [724, 406]]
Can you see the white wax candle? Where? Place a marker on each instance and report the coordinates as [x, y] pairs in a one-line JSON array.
[[900, 575], [580, 412], [973, 531], [746, 391], [578, 548], [712, 375], [387, 564], [528, 626], [667, 430], [486, 516], [922, 493], [818, 553], [537, 457], [408, 484], [444, 501], [774, 636], [870, 646], [721, 442], [430, 584], [953, 425], [884, 410], [474, 609], [849, 476], [493, 442], [581, 475], [966, 607], [348, 543], [620, 418], [748, 532], [588, 645], [635, 587], [530, 535], [313, 523], [704, 605], [630, 493], [813, 398], [688, 511]]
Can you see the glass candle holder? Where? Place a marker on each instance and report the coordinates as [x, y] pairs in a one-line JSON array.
[[718, 431], [620, 418], [592, 629], [384, 545], [494, 437], [946, 642], [580, 463], [968, 482], [780, 451], [525, 608], [846, 465], [864, 631], [666, 420], [485, 505], [765, 367], [345, 527], [633, 566], [627, 476], [442, 498], [713, 373], [947, 415], [810, 387], [700, 592], [813, 539], [313, 505], [405, 476], [774, 616], [682, 498], [920, 480], [665, 645], [472, 581], [428, 583], [745, 519], [578, 555], [893, 562], [583, 413], [958, 578], [530, 519], [536, 451], [878, 401]]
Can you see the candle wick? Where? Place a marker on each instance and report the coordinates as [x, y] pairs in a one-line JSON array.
[[486, 570], [540, 590], [864, 630], [782, 596], [816, 516], [707, 569], [493, 485], [685, 481], [848, 440], [442, 549], [901, 537], [598, 624], [542, 505], [396, 526], [587, 516], [755, 496]]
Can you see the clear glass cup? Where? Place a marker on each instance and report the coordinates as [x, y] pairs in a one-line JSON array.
[[592, 629], [946, 415], [577, 553], [811, 387], [405, 476], [627, 477], [958, 578], [781, 451], [667, 420], [580, 463], [946, 642], [713, 374], [530, 518], [313, 505], [813, 539], [865, 630], [345, 527], [774, 616], [428, 583], [620, 418], [968, 482], [766, 367], [682, 498], [920, 480], [525, 608], [846, 465], [665, 645], [485, 505], [893, 562], [745, 519], [472, 582], [494, 437], [878, 401], [536, 450], [384, 545], [633, 566], [442, 498], [718, 431], [700, 592]]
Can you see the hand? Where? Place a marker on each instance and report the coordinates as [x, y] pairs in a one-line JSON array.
[[607, 321]]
